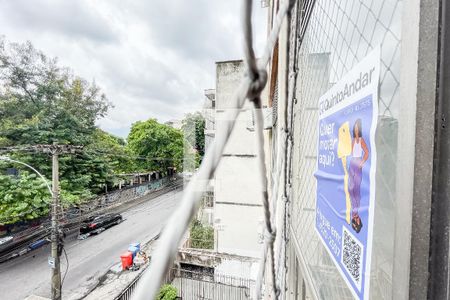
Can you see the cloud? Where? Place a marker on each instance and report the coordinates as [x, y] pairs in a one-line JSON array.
[[195, 29], [79, 19], [151, 58]]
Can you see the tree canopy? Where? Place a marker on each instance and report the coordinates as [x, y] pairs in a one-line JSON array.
[[43, 103], [159, 146], [194, 140], [194, 131], [24, 198]]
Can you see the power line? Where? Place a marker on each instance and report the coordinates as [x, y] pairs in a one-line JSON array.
[[133, 156], [67, 267], [44, 148], [32, 148]]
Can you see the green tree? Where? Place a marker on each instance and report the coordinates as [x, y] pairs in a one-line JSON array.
[[194, 140], [158, 145], [194, 131], [114, 151], [23, 198], [42, 103]]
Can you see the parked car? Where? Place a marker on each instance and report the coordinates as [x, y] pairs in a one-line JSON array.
[[100, 223], [72, 213], [5, 240]]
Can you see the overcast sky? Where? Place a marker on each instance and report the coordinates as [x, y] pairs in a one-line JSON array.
[[152, 58]]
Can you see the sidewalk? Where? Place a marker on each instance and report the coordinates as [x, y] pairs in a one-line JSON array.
[[114, 281]]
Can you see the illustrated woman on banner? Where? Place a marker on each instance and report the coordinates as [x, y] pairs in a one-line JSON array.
[[360, 154]]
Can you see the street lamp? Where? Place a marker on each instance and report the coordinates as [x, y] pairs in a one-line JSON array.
[[6, 158]]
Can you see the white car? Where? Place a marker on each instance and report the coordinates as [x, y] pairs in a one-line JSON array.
[[5, 239]]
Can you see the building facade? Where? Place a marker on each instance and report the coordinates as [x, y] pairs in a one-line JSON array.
[[209, 113], [237, 192], [174, 123], [319, 46]]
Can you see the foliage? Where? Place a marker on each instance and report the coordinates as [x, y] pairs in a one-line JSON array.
[[42, 103], [23, 198], [159, 146], [167, 292], [202, 237], [194, 131], [194, 140], [113, 151], [191, 159]]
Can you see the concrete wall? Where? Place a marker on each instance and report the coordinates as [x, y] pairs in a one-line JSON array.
[[239, 229], [239, 268], [237, 208], [224, 264]]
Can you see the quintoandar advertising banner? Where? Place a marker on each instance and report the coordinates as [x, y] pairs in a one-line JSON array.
[[346, 163]]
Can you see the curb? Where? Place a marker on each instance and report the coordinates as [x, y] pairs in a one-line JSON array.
[[111, 270]]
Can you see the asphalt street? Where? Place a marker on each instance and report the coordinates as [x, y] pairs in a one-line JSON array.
[[88, 259]]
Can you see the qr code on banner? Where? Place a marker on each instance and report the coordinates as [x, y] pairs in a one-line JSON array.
[[352, 256]]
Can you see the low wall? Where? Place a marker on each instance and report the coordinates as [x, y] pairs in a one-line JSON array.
[[125, 194]]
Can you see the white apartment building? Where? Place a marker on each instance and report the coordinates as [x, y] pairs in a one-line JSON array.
[[237, 191]]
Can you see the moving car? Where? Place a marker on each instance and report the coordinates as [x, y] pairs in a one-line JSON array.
[[100, 223]]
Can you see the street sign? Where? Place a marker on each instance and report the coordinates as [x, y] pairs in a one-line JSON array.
[[51, 262]]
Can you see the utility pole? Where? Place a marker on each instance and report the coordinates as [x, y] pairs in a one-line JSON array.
[[56, 269], [56, 240]]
